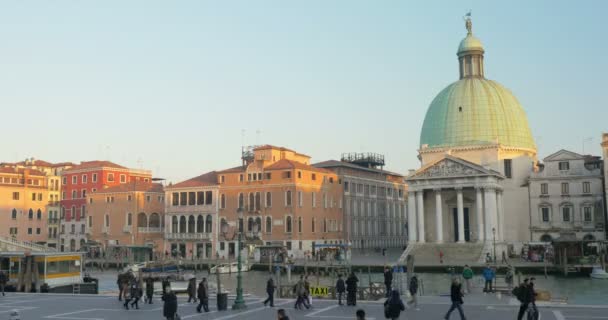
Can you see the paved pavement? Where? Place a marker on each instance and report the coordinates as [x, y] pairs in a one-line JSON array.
[[68, 307]]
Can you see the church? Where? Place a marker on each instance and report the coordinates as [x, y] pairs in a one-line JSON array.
[[477, 153]]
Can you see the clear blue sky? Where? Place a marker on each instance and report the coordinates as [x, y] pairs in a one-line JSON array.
[[173, 83]]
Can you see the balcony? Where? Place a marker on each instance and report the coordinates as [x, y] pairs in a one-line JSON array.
[[105, 230], [188, 236], [251, 235], [127, 229], [150, 230], [53, 221]]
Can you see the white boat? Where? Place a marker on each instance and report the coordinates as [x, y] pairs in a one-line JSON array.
[[599, 273], [229, 268]]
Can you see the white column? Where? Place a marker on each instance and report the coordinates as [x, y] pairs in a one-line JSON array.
[[500, 235], [438, 216], [420, 215], [460, 214], [479, 215], [411, 217], [490, 211], [178, 223]]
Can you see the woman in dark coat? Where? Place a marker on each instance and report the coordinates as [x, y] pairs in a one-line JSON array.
[[393, 306], [203, 296], [149, 290], [351, 289], [192, 289], [170, 304]]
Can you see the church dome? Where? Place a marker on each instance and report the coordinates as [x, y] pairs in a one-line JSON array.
[[475, 111]]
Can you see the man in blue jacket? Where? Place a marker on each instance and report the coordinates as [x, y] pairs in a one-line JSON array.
[[488, 275]]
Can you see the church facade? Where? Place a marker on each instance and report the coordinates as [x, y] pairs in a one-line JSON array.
[[477, 154]]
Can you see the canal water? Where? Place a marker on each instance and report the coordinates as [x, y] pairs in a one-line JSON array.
[[577, 290]]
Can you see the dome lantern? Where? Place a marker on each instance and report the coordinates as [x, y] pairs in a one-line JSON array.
[[470, 53]]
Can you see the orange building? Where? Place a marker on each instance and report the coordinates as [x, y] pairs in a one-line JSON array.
[[284, 201], [127, 214], [23, 204]]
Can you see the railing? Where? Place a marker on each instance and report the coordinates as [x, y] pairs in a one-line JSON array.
[[253, 235], [188, 236], [127, 229], [105, 230], [25, 244], [150, 229], [53, 221]]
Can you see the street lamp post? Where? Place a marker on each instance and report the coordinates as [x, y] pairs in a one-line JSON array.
[[239, 302], [494, 235]]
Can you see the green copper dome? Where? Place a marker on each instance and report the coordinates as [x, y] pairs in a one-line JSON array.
[[474, 110]]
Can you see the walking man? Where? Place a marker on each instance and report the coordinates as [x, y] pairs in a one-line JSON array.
[[351, 289], [467, 274], [3, 281], [192, 290], [388, 281], [488, 275], [340, 289], [522, 293], [120, 284], [135, 294], [456, 295], [149, 290], [413, 288], [203, 296], [270, 292]]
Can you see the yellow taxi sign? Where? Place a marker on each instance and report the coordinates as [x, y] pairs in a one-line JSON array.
[[319, 291]]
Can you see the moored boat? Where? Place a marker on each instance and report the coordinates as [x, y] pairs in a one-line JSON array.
[[598, 273]]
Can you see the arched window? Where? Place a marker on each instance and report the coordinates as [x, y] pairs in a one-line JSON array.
[[258, 201], [209, 224], [223, 201], [142, 220], [30, 214], [154, 220], [73, 213], [250, 224], [258, 223], [82, 242], [73, 245], [268, 199], [288, 198], [200, 224], [300, 224], [288, 226], [107, 220], [268, 225], [62, 213], [174, 224], [14, 213], [251, 205], [545, 238], [182, 224], [241, 200], [39, 214], [191, 223]]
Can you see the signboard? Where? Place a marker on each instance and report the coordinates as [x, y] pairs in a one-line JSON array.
[[319, 291]]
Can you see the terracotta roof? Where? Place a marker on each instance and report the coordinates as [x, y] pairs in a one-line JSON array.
[[336, 163], [139, 186], [284, 164], [96, 164], [40, 163], [32, 172], [232, 170], [206, 179]]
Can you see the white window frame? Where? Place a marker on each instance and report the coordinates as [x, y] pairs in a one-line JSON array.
[[590, 214], [548, 214], [84, 178], [123, 178], [94, 177]]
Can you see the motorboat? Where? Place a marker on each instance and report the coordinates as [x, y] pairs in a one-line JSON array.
[[229, 268], [598, 273]]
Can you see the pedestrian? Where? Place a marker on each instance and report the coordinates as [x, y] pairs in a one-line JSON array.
[[360, 314], [191, 289], [504, 257], [340, 289], [170, 304], [300, 291], [467, 274], [126, 290], [509, 278], [532, 295], [388, 281], [3, 281], [135, 294], [413, 288], [351, 289], [488, 257], [149, 289], [522, 293], [456, 295], [203, 296], [270, 287], [488, 275], [119, 283], [440, 257], [393, 306], [307, 296], [282, 315]]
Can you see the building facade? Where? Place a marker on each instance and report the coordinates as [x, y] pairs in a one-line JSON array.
[[284, 201], [77, 183], [374, 210], [567, 197], [191, 219], [127, 214]]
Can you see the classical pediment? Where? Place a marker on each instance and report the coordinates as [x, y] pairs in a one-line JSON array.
[[562, 155], [449, 167]]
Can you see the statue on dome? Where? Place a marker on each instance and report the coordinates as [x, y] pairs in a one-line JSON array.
[[468, 24]]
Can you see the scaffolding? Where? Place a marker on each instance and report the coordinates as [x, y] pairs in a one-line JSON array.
[[364, 159]]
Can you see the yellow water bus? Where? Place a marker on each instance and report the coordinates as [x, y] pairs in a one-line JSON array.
[[31, 270]]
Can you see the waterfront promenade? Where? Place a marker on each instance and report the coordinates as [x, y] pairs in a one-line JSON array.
[[50, 306]]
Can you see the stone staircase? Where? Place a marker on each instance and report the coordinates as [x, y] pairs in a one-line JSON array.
[[11, 244], [427, 254]]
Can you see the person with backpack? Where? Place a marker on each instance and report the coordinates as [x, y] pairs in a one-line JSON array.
[[488, 275], [467, 274], [340, 289], [270, 287], [388, 280], [522, 293], [393, 306], [456, 295], [413, 288]]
